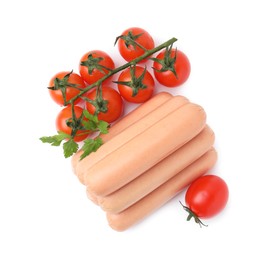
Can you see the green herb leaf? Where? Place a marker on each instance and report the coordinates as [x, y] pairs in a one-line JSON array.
[[55, 140], [103, 127], [87, 114], [93, 124], [89, 125], [91, 145], [70, 147]]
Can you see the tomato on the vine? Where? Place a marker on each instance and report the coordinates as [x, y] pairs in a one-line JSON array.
[[171, 67], [94, 65], [136, 84], [108, 106], [206, 196], [133, 42], [66, 84], [64, 117]]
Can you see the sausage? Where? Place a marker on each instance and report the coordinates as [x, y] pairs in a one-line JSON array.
[[158, 174], [127, 120], [144, 207], [159, 140], [92, 197], [130, 132], [138, 113], [145, 150]]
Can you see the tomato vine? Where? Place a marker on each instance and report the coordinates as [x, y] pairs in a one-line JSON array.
[[120, 68], [86, 121]]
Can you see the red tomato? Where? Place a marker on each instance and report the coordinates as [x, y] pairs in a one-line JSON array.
[[94, 65], [138, 89], [207, 196], [65, 116], [68, 80], [128, 49], [181, 67], [114, 104]]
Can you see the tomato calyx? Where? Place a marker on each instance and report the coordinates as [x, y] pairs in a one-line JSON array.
[[93, 63], [92, 124], [192, 215], [130, 40], [75, 123], [100, 104], [136, 83], [63, 84], [168, 62]]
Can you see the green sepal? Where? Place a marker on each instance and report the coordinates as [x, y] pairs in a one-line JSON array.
[[168, 62], [192, 215], [63, 84], [130, 39], [101, 105], [135, 83], [93, 63]]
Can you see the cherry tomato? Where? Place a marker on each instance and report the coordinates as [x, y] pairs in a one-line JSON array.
[[113, 104], [64, 116], [181, 67], [130, 50], [69, 82], [94, 65], [207, 196], [136, 87]]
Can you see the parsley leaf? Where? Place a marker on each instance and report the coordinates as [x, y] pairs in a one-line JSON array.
[[90, 145], [103, 127], [89, 116], [70, 147], [55, 140], [93, 124]]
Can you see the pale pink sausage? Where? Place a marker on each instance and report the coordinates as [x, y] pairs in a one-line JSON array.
[[130, 132], [162, 194], [92, 197], [145, 150], [139, 112], [129, 119], [158, 174]]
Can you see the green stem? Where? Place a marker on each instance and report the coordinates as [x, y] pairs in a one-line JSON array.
[[74, 119], [191, 215], [126, 65]]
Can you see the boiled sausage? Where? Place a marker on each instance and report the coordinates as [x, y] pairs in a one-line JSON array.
[[162, 194]]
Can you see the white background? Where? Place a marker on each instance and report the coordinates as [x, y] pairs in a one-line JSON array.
[[44, 212]]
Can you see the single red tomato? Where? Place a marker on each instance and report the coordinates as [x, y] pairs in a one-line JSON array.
[[94, 65], [65, 116], [207, 196], [171, 69], [65, 83], [136, 84], [133, 42], [109, 106]]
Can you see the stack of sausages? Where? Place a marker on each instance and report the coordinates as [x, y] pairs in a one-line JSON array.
[[147, 158]]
